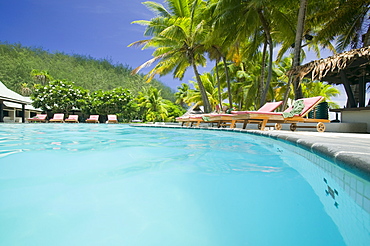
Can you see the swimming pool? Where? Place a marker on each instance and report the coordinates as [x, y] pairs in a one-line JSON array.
[[81, 184]]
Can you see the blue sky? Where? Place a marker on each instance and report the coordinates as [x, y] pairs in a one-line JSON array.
[[99, 28]]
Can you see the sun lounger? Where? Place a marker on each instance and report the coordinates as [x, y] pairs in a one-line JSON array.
[[185, 118], [57, 118], [93, 119], [262, 118], [229, 119], [112, 119], [72, 119], [38, 118], [191, 119]]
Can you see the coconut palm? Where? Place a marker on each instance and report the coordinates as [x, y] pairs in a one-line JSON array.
[[210, 84], [153, 104], [349, 26], [182, 94], [177, 35], [252, 22], [317, 88]]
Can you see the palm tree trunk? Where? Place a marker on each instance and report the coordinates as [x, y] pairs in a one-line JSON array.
[[228, 81], [266, 29], [206, 104], [218, 84], [298, 46], [263, 71], [367, 38]]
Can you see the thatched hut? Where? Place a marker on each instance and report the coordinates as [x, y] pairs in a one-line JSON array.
[[348, 68], [352, 69]]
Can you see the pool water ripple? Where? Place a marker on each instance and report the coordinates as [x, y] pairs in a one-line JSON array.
[[81, 184]]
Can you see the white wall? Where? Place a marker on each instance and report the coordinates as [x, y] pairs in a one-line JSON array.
[[357, 116]]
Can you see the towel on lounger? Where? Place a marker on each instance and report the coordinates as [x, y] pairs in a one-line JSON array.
[[298, 106]]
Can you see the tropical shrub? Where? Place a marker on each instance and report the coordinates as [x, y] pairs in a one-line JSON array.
[[118, 101], [59, 96]]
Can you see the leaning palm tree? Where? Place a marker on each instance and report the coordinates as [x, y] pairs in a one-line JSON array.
[[177, 35]]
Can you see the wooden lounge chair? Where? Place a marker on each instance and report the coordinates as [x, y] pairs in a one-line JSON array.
[[93, 119], [57, 118], [262, 118], [38, 118], [198, 118], [72, 119], [112, 119], [229, 120], [185, 118]]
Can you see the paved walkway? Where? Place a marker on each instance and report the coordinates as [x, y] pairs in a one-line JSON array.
[[344, 148]]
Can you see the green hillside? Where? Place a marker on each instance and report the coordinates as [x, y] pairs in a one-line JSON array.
[[17, 61]]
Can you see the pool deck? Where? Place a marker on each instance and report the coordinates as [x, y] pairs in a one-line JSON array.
[[350, 149]]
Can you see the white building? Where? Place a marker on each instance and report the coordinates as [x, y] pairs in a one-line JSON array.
[[15, 107]]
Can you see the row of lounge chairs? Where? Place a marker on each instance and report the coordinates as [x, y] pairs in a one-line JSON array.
[[293, 115], [59, 118]]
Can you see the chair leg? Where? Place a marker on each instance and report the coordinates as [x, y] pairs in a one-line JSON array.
[[263, 124], [245, 123], [232, 124]]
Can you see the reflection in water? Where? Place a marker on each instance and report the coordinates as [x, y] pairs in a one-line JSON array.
[[346, 197]]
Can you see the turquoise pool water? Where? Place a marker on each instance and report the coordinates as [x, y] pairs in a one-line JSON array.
[[80, 184]]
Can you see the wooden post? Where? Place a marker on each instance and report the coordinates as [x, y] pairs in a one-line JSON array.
[[1, 111], [23, 113], [362, 94], [347, 87]]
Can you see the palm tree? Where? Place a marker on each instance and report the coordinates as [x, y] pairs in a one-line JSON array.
[[182, 94], [252, 22], [42, 77], [215, 53], [153, 103], [349, 25], [298, 45], [177, 36], [210, 84], [317, 88], [25, 90]]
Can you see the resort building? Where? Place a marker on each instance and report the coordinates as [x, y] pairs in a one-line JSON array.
[[350, 69], [15, 107]]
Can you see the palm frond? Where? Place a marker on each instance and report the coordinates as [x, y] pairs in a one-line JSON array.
[[147, 64], [157, 8], [139, 43]]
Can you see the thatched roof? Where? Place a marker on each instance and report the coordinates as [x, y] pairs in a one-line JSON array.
[[354, 63]]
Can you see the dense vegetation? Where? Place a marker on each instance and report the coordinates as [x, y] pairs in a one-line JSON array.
[[17, 62], [61, 96], [240, 37]]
